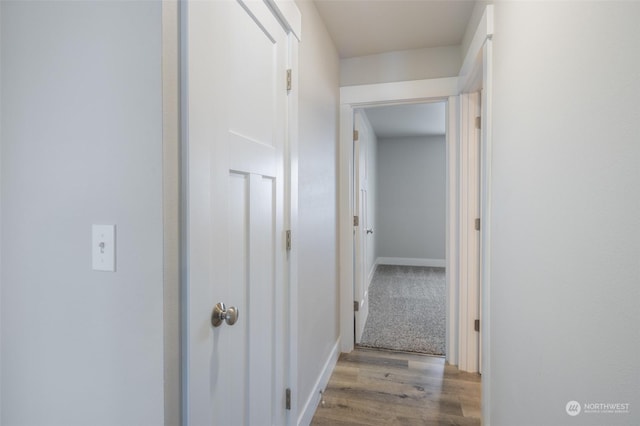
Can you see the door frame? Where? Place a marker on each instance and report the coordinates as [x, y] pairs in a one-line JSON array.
[[476, 75], [451, 158], [354, 97]]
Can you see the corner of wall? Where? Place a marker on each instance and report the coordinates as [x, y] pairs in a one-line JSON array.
[[317, 232], [474, 20]]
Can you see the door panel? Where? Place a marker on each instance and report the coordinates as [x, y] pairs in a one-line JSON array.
[[360, 235], [254, 56], [261, 316], [235, 120]]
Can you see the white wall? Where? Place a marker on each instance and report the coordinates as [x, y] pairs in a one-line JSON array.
[[317, 240], [81, 144], [412, 198], [415, 64], [565, 247]]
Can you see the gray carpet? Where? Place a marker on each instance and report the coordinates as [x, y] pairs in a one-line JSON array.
[[406, 310]]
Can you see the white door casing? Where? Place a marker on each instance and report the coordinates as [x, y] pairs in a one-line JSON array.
[[475, 77], [469, 272], [235, 130]]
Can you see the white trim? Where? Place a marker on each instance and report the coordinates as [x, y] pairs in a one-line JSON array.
[[475, 74], [485, 241], [398, 92], [289, 15], [409, 261], [313, 399], [468, 343], [372, 272], [452, 257], [291, 222]]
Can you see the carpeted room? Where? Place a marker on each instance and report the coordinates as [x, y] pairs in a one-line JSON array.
[[407, 309]]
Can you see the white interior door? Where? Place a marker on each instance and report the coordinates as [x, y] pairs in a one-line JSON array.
[[360, 231], [235, 128]]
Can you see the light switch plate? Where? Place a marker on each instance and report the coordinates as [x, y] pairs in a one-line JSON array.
[[103, 243]]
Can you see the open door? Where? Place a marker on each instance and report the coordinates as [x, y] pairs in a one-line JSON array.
[[362, 228], [479, 228], [235, 128]]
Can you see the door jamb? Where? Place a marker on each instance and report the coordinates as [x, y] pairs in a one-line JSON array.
[[171, 205], [290, 17], [477, 74]]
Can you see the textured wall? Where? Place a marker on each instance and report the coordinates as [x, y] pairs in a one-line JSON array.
[[565, 248], [317, 268]]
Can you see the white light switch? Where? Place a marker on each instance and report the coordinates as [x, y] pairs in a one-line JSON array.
[[103, 243]]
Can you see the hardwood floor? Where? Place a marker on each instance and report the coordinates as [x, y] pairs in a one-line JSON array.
[[370, 387]]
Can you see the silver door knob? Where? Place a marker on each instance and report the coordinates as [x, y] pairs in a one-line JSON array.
[[370, 231], [223, 314]]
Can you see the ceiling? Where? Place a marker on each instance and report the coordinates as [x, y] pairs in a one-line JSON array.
[[399, 121], [367, 27]]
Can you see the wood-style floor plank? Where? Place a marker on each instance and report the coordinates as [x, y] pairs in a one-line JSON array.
[[370, 387]]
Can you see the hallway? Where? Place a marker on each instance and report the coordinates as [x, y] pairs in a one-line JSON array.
[[370, 387]]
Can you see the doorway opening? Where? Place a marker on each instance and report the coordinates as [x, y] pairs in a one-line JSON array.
[[400, 198], [466, 337]]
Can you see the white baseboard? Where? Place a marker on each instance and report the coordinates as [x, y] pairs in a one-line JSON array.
[[407, 261], [306, 415], [372, 273]]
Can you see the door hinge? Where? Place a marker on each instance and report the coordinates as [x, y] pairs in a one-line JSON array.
[[356, 306], [287, 399], [477, 224], [288, 239], [476, 325], [288, 80], [478, 123], [356, 221], [356, 135]]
